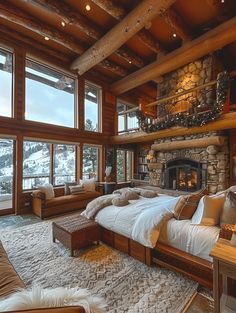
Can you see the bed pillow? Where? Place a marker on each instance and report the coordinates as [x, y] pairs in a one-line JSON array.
[[88, 184], [130, 195], [148, 193], [209, 210], [187, 205], [228, 214], [119, 201], [67, 185], [47, 189]]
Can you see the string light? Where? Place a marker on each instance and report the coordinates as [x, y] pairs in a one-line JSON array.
[[88, 7], [46, 38], [174, 35], [63, 24]]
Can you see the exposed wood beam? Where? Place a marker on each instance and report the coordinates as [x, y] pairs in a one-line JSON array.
[[123, 31], [177, 24], [6, 33], [213, 40], [16, 16], [119, 13], [226, 121], [71, 17]]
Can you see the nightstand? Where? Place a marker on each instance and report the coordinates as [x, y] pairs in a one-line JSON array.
[[108, 187], [224, 263]]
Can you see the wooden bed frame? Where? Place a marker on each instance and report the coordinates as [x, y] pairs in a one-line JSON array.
[[194, 267]]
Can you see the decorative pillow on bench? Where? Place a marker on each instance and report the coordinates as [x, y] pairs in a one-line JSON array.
[[47, 189]]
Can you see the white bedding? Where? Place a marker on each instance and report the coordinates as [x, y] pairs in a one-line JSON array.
[[141, 220], [195, 239]]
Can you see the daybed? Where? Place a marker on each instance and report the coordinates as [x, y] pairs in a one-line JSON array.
[[10, 282], [177, 244], [61, 203]]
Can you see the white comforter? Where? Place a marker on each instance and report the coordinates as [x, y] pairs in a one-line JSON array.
[[141, 220]]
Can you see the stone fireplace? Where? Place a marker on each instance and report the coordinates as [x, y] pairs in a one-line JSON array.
[[184, 174], [191, 168]]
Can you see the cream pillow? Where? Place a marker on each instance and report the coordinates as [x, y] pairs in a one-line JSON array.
[[47, 189], [74, 190], [88, 184], [130, 195], [120, 201], [228, 215], [148, 193], [209, 210]]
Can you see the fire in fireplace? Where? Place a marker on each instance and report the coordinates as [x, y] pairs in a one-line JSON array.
[[183, 174]]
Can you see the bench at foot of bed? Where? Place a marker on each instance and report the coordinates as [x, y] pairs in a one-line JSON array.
[[129, 246]]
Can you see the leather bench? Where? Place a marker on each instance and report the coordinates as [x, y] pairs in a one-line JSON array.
[[60, 203], [76, 232]]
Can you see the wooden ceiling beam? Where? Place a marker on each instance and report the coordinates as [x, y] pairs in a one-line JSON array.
[[122, 32], [119, 13], [71, 17], [16, 16], [211, 41], [177, 24]]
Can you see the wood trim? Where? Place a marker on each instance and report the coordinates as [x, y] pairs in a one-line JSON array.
[[189, 52], [123, 31], [226, 121]]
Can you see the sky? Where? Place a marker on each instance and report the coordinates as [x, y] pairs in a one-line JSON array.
[[43, 103]]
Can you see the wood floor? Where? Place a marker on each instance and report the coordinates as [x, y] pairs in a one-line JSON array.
[[200, 303]]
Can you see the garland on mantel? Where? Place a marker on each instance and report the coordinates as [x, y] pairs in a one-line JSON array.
[[185, 119]]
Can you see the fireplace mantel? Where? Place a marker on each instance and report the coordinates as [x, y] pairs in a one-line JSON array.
[[196, 143]]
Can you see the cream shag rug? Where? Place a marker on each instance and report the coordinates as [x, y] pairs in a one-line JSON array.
[[126, 284]]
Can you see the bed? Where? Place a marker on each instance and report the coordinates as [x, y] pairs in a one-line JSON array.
[[172, 243]]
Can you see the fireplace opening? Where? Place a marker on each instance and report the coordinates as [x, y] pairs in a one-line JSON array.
[[183, 174]]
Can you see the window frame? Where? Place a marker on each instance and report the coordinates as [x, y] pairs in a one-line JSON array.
[[99, 111], [125, 164], [51, 157], [57, 69], [99, 147], [12, 52], [127, 106]]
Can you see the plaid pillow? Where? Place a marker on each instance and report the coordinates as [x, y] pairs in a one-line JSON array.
[[187, 205]]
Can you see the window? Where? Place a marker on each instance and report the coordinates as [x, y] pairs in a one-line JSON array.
[[64, 163], [92, 107], [90, 162], [6, 172], [5, 83], [124, 165], [45, 162], [50, 96], [126, 121]]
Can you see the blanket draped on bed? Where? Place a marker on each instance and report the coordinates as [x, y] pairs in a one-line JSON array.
[[140, 220]]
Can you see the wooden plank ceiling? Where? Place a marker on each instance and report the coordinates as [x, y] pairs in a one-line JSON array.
[[118, 40]]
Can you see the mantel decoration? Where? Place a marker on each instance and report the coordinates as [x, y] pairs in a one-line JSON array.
[[191, 117]]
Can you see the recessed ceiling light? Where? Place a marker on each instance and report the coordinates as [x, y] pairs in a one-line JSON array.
[[63, 24], [174, 35], [88, 7], [130, 62], [222, 1], [46, 38]]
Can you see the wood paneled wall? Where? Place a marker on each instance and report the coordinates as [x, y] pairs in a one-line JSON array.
[[21, 128]]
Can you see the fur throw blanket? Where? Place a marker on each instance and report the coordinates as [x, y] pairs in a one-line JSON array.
[[38, 297]]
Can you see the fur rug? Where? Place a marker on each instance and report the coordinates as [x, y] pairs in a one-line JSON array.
[[127, 285], [38, 297]]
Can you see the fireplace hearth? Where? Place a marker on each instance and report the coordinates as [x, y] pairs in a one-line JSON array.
[[184, 174]]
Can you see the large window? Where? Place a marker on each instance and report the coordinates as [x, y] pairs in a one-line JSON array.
[[6, 173], [124, 165], [126, 121], [48, 163], [50, 96], [92, 107], [91, 162], [5, 83]]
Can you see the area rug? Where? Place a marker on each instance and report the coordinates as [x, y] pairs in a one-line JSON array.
[[127, 285]]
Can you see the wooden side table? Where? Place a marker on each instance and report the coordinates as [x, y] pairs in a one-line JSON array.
[[224, 262]]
